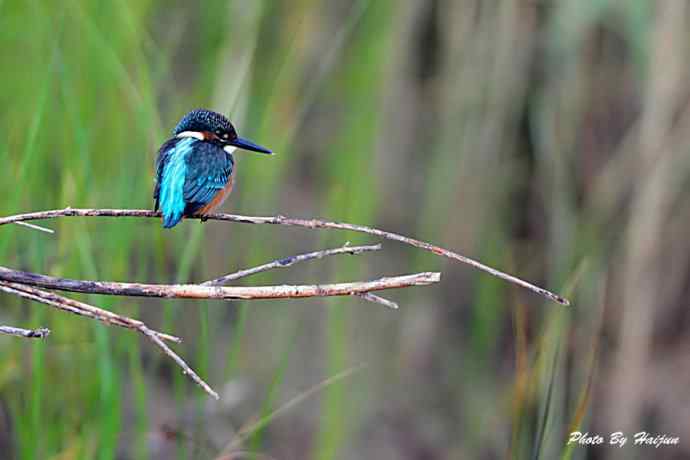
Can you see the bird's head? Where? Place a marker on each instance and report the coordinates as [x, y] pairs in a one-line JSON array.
[[213, 127]]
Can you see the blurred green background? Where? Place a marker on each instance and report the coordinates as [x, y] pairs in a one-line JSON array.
[[546, 138]]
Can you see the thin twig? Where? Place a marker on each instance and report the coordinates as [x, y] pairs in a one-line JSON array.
[[377, 299], [195, 291], [40, 333], [247, 431], [288, 261], [180, 362], [36, 227], [306, 223], [78, 308]]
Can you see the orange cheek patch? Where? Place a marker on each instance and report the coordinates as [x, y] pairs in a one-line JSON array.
[[209, 136]]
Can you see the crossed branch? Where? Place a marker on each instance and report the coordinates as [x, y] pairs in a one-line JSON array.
[[37, 287]]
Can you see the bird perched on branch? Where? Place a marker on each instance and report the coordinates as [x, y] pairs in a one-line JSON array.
[[195, 169]]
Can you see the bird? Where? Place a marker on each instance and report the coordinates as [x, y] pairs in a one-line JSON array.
[[195, 168]]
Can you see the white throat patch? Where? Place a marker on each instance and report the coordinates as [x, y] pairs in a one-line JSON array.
[[229, 149], [194, 134]]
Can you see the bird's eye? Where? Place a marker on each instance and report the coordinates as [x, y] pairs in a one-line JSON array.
[[225, 135]]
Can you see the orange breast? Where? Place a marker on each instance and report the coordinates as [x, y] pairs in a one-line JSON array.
[[219, 198]]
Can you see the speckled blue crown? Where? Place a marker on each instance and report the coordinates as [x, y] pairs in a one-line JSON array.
[[204, 120]]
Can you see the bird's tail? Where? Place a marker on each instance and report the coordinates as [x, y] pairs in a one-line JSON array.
[[171, 219]]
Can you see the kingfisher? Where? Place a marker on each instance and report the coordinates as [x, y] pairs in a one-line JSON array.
[[195, 168]]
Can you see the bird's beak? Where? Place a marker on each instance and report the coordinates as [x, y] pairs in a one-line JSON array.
[[249, 145]]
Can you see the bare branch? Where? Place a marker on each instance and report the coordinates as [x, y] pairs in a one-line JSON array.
[[40, 333], [36, 227], [78, 308], [306, 223], [26, 284], [195, 291], [288, 261]]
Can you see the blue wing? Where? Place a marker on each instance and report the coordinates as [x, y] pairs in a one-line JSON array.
[[208, 172], [189, 174]]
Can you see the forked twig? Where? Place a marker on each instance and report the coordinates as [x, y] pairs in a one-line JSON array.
[[22, 284], [288, 261], [78, 308]]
